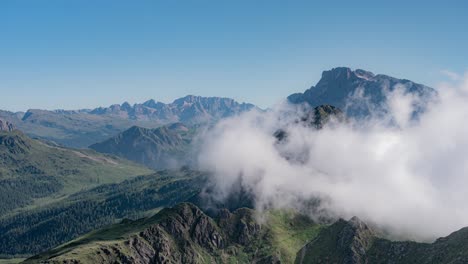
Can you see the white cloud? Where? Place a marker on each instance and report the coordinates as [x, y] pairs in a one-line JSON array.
[[410, 178]]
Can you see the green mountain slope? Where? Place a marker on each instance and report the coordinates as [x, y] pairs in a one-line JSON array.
[[36, 230], [354, 242], [159, 148], [33, 172], [184, 234]]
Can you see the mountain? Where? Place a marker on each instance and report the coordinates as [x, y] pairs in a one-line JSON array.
[[342, 242], [338, 84], [185, 234], [159, 148], [6, 126], [354, 242], [81, 128], [189, 109], [314, 118], [41, 228], [34, 172]]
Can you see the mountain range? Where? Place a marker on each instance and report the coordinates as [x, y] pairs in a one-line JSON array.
[[81, 128], [105, 204]]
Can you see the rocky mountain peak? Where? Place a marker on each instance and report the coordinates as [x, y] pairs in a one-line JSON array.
[[339, 84]]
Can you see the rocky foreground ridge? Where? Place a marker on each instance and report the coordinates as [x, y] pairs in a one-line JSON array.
[[185, 234]]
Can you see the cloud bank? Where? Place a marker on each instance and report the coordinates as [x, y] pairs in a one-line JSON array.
[[404, 174]]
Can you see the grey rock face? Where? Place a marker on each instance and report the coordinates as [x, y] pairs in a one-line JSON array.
[[6, 126], [189, 109], [337, 85]]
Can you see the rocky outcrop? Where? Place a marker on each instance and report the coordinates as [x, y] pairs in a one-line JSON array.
[[343, 242], [314, 118], [321, 115], [6, 126], [183, 234]]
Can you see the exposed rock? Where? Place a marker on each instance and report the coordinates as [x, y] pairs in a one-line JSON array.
[[316, 118], [343, 242], [6, 126], [338, 84]]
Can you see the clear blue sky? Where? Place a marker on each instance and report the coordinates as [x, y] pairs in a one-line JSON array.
[[83, 54]]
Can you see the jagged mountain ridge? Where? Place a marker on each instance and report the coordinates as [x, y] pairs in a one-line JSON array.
[[81, 128], [189, 109], [185, 234], [337, 85]]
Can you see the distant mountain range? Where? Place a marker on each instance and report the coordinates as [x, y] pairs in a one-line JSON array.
[[81, 128], [159, 148], [339, 84]]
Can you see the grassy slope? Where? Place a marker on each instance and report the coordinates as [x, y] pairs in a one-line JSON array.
[[34, 173], [48, 226], [158, 148], [283, 234], [290, 232]]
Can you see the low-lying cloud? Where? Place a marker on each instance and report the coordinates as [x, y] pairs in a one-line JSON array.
[[407, 175]]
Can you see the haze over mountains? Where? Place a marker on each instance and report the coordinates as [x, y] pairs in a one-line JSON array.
[[81, 128], [299, 168], [162, 147]]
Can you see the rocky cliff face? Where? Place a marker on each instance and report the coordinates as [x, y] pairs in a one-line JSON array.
[[338, 85], [6, 126]]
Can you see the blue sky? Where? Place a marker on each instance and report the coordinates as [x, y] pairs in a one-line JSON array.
[[83, 54]]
